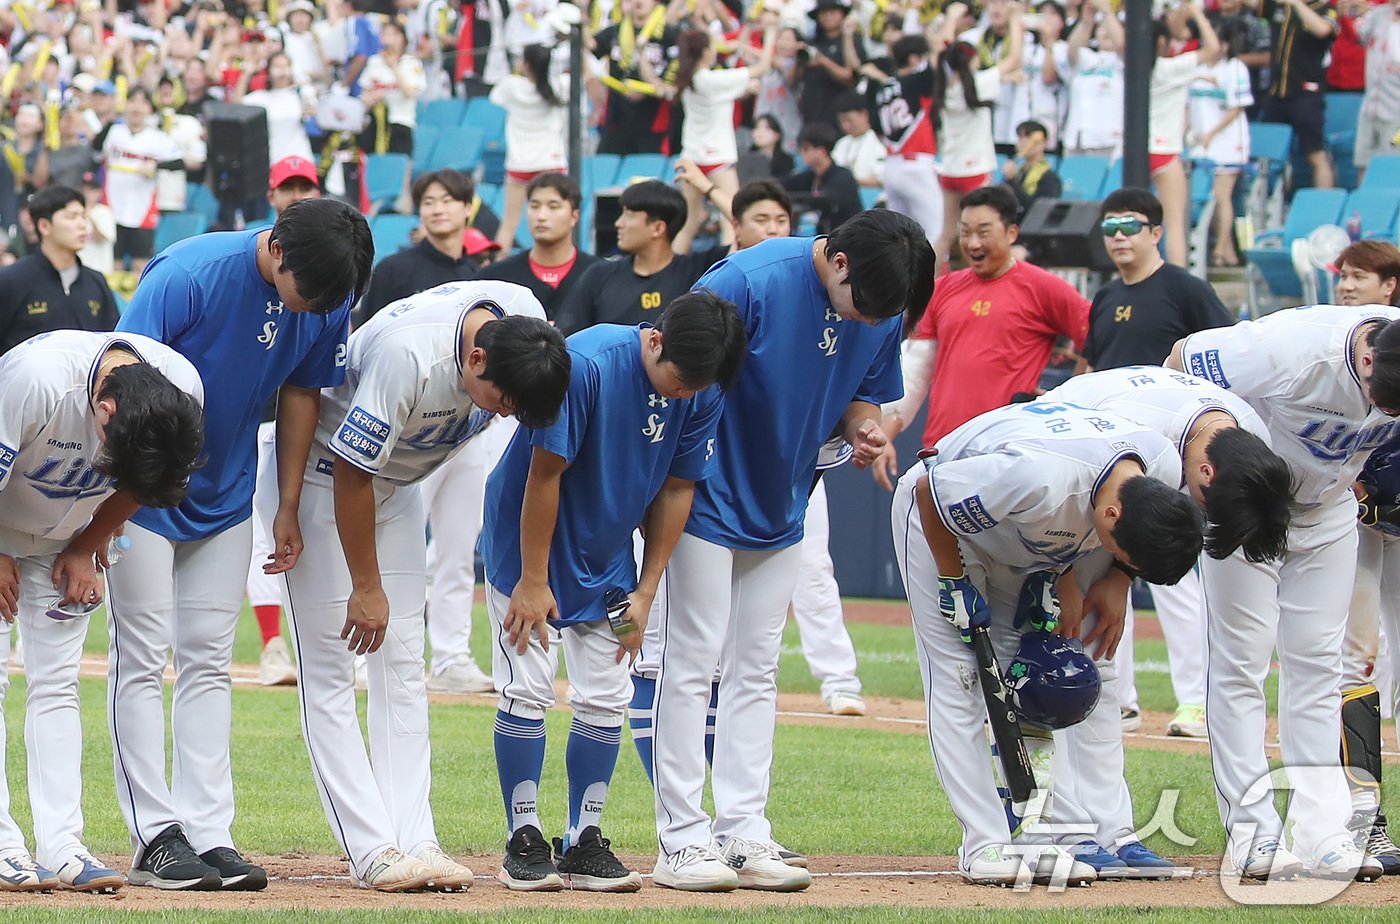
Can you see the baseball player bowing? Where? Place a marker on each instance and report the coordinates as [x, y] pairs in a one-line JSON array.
[[1009, 496], [82, 413], [1246, 493], [1326, 381], [636, 432], [422, 377], [822, 316]]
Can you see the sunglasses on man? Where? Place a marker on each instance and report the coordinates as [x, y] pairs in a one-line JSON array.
[[1129, 226]]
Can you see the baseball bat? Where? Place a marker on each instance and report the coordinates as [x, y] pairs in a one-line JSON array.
[[1006, 728]]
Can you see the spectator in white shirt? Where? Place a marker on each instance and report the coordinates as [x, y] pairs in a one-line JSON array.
[[536, 131], [286, 104], [1219, 96], [134, 150], [1378, 124], [389, 85], [1094, 124], [859, 149]]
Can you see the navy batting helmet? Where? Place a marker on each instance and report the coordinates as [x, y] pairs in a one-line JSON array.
[[1381, 478], [1053, 683]]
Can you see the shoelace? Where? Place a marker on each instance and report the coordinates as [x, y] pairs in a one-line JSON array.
[[689, 856], [23, 862]]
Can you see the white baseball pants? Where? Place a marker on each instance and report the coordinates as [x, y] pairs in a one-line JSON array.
[[264, 589], [726, 606], [185, 597], [1371, 598], [911, 188], [378, 799], [1181, 612], [1291, 605], [816, 605]]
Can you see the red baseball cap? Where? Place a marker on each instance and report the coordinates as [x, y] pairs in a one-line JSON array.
[[475, 242], [288, 167]]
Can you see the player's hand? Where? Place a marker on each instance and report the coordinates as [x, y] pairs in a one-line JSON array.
[[286, 543], [886, 467], [1107, 599], [629, 643], [366, 620], [532, 605], [961, 604], [75, 575], [9, 588], [869, 444], [1039, 605]]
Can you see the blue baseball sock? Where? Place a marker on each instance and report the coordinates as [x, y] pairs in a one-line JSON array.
[[710, 723], [639, 718], [590, 759], [519, 763]]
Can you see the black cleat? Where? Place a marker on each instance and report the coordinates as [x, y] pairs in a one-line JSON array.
[[591, 866], [528, 866], [235, 873], [169, 862]]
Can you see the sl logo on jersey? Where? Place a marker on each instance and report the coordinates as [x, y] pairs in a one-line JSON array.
[[828, 342], [268, 337], [655, 428]]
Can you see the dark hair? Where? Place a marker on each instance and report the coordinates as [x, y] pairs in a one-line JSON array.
[[756, 191], [565, 185], [1133, 199], [1250, 501], [659, 202], [1160, 529], [1385, 371], [1379, 257], [527, 360], [141, 92], [690, 47], [773, 124], [889, 261], [537, 59], [459, 185], [999, 198], [911, 46], [155, 437], [1055, 5], [851, 101], [817, 135], [703, 336], [50, 200], [960, 58], [327, 247], [394, 24], [1031, 126]]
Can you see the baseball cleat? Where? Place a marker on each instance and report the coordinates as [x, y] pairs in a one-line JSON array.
[[1267, 859], [1143, 863], [448, 875], [1131, 718], [1374, 837], [698, 868], [83, 873], [275, 667], [235, 873], [992, 867], [170, 863], [1105, 864], [760, 867], [19, 873], [591, 866], [1348, 862], [394, 871], [528, 865], [1053, 866], [1189, 722], [790, 857], [461, 679], [844, 702]]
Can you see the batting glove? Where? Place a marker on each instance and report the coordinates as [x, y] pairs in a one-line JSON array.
[[1040, 602], [1371, 512], [962, 605]]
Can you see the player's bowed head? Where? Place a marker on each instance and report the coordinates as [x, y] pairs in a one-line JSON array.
[[1247, 491], [1154, 525], [152, 434], [698, 341], [1380, 367], [879, 264], [322, 254], [520, 366]]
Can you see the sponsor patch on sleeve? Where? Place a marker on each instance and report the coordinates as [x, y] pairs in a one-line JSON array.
[[969, 516], [358, 443], [7, 459], [371, 426], [1206, 365]]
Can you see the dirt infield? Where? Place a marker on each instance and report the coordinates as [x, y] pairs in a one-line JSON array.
[[321, 883]]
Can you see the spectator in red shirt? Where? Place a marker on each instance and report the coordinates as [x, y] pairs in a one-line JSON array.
[[1347, 69], [991, 326]]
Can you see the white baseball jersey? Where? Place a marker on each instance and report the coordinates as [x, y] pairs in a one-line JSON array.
[[1295, 369], [1163, 400], [1016, 485], [48, 437], [401, 411]]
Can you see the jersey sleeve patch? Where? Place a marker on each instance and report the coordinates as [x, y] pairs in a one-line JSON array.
[[1206, 365], [7, 459], [970, 516], [368, 424], [363, 433]]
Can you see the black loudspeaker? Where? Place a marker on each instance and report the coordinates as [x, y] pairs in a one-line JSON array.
[[607, 209], [238, 164], [1065, 233]]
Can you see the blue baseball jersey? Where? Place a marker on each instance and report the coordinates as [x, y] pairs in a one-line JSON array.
[[205, 298], [622, 440], [804, 367]]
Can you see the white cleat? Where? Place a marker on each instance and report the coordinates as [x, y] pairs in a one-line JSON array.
[[844, 702], [460, 679], [275, 667], [1188, 722], [695, 869], [394, 871], [447, 874], [1268, 859], [1348, 862], [19, 873], [760, 867]]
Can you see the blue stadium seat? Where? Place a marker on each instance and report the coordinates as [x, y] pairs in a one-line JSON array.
[[1082, 176], [488, 117], [641, 167], [1376, 209], [1383, 172], [458, 147], [176, 226], [444, 113], [1310, 208], [391, 233], [384, 175], [869, 195], [491, 195], [600, 171], [425, 138], [1339, 120], [1113, 180], [199, 199]]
